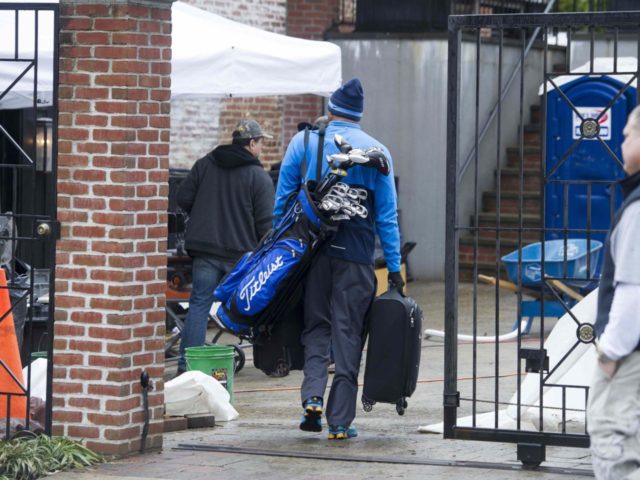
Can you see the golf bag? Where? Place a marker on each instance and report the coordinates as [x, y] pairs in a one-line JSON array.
[[256, 291]]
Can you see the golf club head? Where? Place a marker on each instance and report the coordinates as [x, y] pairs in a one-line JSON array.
[[378, 160], [341, 143]]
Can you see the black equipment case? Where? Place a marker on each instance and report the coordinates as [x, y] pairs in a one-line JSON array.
[[281, 350], [393, 353]]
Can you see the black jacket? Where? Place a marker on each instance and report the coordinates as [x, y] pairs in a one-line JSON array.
[[229, 199]]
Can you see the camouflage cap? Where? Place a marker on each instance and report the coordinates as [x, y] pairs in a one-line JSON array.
[[249, 129]]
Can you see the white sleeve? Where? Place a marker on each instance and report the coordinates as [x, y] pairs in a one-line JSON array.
[[625, 246], [622, 334]]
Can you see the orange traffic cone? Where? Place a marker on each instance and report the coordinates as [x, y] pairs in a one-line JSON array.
[[9, 359]]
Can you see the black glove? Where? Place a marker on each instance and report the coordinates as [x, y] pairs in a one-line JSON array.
[[395, 281]]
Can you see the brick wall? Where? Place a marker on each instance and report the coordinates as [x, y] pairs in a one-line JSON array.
[[198, 125], [112, 199], [308, 19]]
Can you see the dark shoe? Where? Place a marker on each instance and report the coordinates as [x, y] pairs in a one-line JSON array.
[[340, 432], [311, 420]]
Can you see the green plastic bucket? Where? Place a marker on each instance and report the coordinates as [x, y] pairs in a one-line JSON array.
[[214, 360]]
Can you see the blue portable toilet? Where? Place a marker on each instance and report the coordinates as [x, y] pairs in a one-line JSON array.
[[590, 162]]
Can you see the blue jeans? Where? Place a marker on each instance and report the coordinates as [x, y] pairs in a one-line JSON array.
[[206, 274]]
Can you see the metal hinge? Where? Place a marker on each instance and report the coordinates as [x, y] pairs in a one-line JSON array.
[[535, 360], [452, 399]]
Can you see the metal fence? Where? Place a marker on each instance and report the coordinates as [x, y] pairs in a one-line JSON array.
[[28, 164], [528, 394]]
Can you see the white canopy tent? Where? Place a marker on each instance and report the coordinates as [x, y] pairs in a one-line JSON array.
[[211, 56]]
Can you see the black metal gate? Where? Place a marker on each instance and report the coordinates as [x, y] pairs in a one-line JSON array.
[[536, 193], [28, 229]]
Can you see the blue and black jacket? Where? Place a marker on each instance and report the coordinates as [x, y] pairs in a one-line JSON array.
[[355, 240]]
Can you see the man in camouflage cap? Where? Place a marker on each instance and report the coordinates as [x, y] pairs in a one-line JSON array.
[[229, 198]]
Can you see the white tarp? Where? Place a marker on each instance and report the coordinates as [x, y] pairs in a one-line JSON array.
[[211, 56], [575, 370], [216, 56]]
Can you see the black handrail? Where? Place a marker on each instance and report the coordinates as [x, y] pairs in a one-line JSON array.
[[503, 94]]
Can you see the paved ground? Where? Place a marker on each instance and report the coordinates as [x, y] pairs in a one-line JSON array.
[[269, 411]]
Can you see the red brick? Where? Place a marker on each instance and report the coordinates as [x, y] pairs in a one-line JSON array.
[[114, 135], [86, 345], [89, 288], [112, 275], [65, 272], [126, 319], [115, 107], [114, 191], [97, 120], [86, 317], [130, 38], [109, 390], [93, 66], [85, 374], [92, 38], [63, 329], [88, 231], [66, 387], [129, 204], [149, 26], [83, 432], [109, 361], [123, 405], [73, 133], [126, 262], [129, 67], [92, 147], [74, 78], [109, 333], [91, 93], [66, 417], [110, 304], [72, 188], [117, 80], [132, 121], [75, 23], [69, 245], [114, 24], [92, 10], [117, 219], [88, 203], [126, 347]]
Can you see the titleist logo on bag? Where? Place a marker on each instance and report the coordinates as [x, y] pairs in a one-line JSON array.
[[253, 286]]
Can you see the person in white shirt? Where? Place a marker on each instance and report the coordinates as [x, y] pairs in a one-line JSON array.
[[613, 412]]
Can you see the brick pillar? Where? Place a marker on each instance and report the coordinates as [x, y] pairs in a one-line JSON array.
[[308, 19], [112, 198]]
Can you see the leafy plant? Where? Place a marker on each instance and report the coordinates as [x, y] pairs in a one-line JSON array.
[[28, 458]]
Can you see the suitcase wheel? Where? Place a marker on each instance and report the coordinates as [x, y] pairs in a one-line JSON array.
[[281, 369], [401, 406], [367, 405]]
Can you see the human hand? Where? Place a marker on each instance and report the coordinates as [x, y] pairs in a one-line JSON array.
[[609, 367], [395, 281]]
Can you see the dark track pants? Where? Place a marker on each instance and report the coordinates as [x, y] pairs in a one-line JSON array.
[[337, 296]]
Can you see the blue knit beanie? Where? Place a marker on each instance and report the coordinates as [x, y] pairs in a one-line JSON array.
[[348, 100]]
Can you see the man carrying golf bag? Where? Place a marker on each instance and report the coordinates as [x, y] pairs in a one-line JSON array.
[[340, 284]]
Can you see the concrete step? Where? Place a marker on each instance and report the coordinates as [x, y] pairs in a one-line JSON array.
[[486, 248], [535, 113], [533, 135], [532, 157], [510, 202], [510, 180], [508, 220]]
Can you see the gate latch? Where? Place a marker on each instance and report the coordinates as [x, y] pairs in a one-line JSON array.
[[535, 360]]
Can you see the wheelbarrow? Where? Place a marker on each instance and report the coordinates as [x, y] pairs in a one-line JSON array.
[[567, 271]]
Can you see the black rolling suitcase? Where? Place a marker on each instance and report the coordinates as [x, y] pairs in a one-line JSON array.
[[280, 351], [393, 353]]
